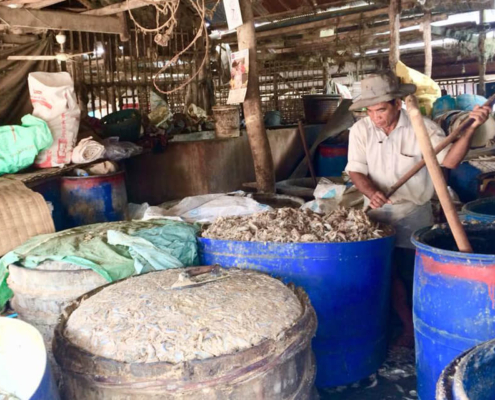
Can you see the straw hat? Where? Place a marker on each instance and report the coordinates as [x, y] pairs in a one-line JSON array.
[[381, 87]]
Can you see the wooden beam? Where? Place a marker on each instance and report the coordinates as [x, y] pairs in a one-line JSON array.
[[370, 35], [58, 20], [325, 23], [117, 8], [6, 3], [427, 41], [86, 3], [44, 3], [255, 127], [394, 20]]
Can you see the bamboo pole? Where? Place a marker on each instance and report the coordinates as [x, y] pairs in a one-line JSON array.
[[427, 40], [258, 140], [482, 56], [436, 175], [394, 18]]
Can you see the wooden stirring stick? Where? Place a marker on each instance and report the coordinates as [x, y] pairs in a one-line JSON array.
[[437, 175]]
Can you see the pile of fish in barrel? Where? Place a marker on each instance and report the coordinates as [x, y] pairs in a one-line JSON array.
[[288, 225]]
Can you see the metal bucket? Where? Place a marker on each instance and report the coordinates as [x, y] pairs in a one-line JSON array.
[[227, 121], [469, 376], [24, 368], [348, 285], [93, 199], [454, 299], [482, 210]]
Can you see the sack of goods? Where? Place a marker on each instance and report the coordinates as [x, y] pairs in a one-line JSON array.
[[54, 101]]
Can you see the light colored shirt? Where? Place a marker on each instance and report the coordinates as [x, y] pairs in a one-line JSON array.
[[385, 159]]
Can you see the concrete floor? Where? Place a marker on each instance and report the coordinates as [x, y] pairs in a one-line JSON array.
[[395, 380]]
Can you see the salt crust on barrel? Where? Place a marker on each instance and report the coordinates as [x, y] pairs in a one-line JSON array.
[[157, 318]]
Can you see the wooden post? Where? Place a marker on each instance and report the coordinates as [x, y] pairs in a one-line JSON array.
[[394, 18], [482, 56], [437, 175], [258, 140], [275, 92], [427, 40]]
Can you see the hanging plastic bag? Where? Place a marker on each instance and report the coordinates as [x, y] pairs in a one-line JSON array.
[[54, 101]]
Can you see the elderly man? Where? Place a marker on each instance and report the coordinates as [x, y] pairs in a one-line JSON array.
[[382, 147]]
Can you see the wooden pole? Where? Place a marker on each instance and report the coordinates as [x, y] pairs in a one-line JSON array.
[[427, 40], [394, 18], [437, 175], [482, 56], [258, 140]]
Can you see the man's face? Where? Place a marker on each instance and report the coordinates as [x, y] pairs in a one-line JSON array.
[[384, 114]]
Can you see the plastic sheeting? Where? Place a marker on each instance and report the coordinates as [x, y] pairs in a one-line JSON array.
[[115, 250]]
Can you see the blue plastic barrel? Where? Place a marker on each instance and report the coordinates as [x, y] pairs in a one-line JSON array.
[[463, 180], [94, 199], [454, 299], [470, 376], [24, 368], [348, 285], [482, 210], [331, 159]]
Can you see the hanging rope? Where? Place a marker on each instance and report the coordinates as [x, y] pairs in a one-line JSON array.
[[164, 33]]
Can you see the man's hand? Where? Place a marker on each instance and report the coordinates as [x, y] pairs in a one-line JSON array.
[[480, 115], [378, 199]]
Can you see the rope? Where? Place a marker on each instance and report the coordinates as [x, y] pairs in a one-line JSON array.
[[162, 39]]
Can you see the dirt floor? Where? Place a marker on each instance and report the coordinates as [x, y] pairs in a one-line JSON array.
[[395, 380]]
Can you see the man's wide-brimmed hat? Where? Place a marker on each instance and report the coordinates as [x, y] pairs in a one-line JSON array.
[[381, 87]]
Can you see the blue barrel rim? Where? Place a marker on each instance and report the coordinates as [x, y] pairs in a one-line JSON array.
[[416, 240], [296, 243], [450, 375], [112, 174], [467, 207], [465, 360]]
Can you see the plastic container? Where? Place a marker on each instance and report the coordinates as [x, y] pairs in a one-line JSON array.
[[93, 199], [469, 376], [24, 368], [482, 210], [454, 299], [463, 180], [318, 108], [331, 159], [227, 121], [125, 124], [348, 285], [273, 118]]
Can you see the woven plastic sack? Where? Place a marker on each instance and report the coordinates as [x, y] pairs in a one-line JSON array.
[[54, 101], [19, 145], [427, 90]]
